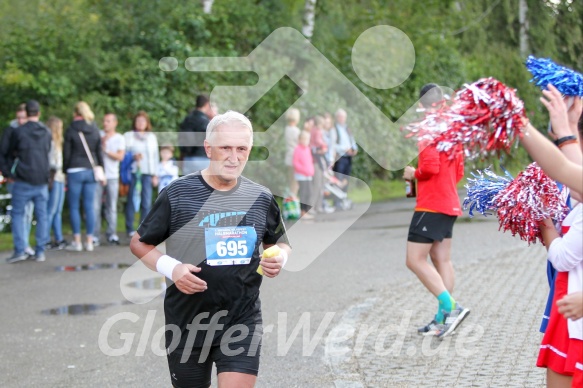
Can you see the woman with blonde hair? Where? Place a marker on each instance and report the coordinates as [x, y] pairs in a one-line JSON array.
[[56, 185], [82, 151], [143, 145]]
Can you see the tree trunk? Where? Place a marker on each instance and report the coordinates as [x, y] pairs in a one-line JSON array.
[[523, 34], [308, 31], [309, 18], [207, 6]]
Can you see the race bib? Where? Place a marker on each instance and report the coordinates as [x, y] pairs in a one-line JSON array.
[[230, 245]]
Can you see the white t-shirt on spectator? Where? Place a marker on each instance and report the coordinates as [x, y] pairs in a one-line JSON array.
[[113, 145]]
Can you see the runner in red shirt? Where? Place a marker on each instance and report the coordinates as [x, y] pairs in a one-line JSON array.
[[430, 232]]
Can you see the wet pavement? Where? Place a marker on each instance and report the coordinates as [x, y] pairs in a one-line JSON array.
[[91, 267], [68, 322]]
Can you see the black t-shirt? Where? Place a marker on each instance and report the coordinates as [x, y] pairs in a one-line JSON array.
[[184, 211]]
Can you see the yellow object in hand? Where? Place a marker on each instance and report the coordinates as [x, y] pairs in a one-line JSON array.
[[269, 252]]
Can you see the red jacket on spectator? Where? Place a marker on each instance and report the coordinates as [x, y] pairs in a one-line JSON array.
[[437, 176]]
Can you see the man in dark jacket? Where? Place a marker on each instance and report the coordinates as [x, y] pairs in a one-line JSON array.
[[18, 121], [194, 157], [30, 146]]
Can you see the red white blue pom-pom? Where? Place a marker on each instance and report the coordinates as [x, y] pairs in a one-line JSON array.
[[482, 189], [485, 117], [545, 71], [530, 198]]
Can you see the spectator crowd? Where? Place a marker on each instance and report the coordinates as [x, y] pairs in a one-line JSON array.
[[319, 160], [45, 163]]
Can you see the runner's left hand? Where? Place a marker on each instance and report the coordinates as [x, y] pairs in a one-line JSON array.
[[409, 173], [272, 266]]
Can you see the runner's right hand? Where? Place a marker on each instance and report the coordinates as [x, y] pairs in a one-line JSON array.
[[185, 280]]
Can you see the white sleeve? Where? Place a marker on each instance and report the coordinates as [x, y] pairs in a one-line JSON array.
[[567, 252], [121, 144], [291, 136], [128, 141], [53, 157], [156, 153], [353, 143]]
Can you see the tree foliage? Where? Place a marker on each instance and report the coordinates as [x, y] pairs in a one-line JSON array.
[[107, 52]]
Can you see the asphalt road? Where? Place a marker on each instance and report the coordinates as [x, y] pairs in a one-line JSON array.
[[52, 320]]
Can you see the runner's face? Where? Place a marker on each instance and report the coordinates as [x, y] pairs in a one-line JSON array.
[[228, 150]]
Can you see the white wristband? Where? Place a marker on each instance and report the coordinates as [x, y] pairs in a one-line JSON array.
[[165, 265], [283, 253]]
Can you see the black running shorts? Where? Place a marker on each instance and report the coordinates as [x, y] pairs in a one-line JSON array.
[[427, 227], [239, 355]]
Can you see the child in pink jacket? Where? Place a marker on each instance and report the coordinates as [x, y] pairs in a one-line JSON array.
[[304, 171]]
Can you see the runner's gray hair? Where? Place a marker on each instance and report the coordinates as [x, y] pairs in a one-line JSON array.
[[230, 118]]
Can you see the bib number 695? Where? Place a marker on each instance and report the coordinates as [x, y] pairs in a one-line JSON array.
[[232, 248]]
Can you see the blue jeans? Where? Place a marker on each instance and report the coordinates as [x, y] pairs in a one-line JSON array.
[[107, 206], [28, 210], [55, 210], [82, 183], [145, 200], [191, 164], [22, 193]]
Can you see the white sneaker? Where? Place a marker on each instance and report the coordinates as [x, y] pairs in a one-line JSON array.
[[75, 247], [29, 251], [89, 247]]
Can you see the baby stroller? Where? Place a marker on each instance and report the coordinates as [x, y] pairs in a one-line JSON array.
[[333, 189], [5, 206]]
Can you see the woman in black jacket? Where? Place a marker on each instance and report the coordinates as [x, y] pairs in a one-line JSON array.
[[78, 167]]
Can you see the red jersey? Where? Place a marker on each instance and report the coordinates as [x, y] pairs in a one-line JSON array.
[[437, 176]]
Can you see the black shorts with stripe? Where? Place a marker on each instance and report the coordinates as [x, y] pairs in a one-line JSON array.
[[427, 227], [238, 351]]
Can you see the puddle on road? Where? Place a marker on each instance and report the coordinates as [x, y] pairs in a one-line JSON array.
[[91, 267], [157, 283], [80, 309]]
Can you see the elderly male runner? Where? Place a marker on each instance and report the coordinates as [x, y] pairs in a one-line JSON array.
[[213, 223]]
